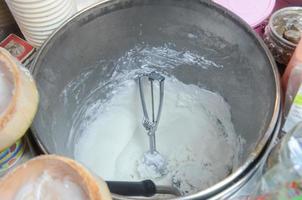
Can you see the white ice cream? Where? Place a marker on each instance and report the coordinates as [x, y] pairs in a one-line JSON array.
[[47, 187], [195, 135]]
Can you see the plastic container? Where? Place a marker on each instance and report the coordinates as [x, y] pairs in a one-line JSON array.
[[294, 114], [284, 164], [293, 86], [254, 12], [281, 48]]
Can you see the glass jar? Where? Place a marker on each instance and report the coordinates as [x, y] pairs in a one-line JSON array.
[[281, 48]]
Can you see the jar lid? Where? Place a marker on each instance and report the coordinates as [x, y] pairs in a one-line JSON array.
[[254, 12]]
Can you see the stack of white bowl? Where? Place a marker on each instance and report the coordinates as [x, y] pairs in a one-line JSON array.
[[37, 19], [6, 17]]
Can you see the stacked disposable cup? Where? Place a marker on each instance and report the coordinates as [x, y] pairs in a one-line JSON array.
[[86, 3], [37, 19]]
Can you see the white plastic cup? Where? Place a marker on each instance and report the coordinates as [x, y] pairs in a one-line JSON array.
[[38, 19]]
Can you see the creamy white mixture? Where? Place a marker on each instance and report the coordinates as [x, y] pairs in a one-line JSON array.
[[6, 87], [47, 187], [195, 135]]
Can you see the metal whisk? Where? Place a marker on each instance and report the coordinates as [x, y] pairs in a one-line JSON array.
[[152, 157]]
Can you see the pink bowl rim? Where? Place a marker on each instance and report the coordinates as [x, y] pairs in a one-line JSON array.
[[263, 16]]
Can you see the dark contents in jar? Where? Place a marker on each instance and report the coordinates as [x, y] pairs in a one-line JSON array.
[[292, 36], [289, 26]]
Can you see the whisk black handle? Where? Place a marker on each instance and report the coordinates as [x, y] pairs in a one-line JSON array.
[[146, 188]]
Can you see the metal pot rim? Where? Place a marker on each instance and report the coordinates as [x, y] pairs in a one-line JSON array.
[[254, 155]]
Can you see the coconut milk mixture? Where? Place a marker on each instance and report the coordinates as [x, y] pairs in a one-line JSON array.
[[195, 135], [47, 187]]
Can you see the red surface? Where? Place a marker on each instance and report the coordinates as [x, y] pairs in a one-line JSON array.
[[18, 47]]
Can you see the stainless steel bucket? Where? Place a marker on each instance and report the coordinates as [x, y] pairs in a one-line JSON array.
[[248, 79]]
